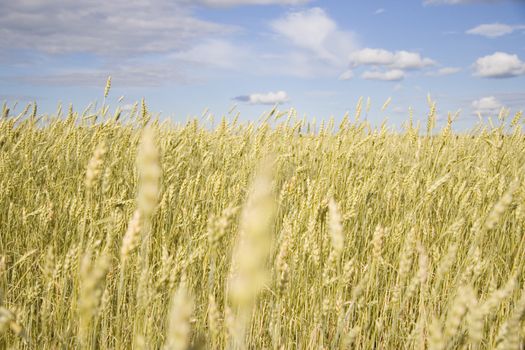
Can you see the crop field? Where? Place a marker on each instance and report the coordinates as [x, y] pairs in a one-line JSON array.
[[120, 231]]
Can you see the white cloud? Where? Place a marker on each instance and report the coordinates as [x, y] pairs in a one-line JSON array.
[[494, 30], [499, 65], [487, 104], [397, 60], [315, 31], [394, 63], [379, 11], [369, 56], [252, 2], [410, 60], [390, 75], [269, 98], [444, 71]]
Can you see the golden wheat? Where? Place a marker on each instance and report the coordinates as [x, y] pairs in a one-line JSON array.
[[119, 231]]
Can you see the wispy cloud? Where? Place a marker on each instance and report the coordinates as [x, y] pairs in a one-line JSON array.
[[512, 99], [389, 75], [494, 30], [268, 98], [444, 71], [123, 75], [103, 28], [137, 42], [499, 65], [379, 11], [346, 75], [486, 105]]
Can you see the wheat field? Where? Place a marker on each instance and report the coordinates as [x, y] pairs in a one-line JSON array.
[[120, 231]]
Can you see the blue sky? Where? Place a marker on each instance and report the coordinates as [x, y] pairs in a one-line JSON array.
[[319, 57]]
